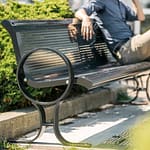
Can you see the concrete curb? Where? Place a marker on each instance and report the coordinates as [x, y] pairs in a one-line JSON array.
[[19, 122], [64, 148]]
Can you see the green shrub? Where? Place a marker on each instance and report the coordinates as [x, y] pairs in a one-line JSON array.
[[10, 96]]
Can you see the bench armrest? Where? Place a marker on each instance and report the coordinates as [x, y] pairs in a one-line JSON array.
[[21, 76]]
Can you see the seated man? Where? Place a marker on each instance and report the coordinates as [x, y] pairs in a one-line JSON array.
[[114, 14]]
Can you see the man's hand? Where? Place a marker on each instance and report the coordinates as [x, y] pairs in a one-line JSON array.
[[72, 32], [87, 28], [87, 25]]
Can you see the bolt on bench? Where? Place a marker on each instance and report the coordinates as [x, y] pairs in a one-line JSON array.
[[48, 57]]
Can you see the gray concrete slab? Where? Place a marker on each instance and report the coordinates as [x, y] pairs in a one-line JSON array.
[[94, 127], [19, 122]]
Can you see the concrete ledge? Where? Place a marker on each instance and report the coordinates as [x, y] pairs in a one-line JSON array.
[[19, 122]]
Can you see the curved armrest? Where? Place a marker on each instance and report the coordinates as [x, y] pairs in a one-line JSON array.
[[20, 79]]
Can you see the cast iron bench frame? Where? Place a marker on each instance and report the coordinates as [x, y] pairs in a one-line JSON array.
[[87, 63]]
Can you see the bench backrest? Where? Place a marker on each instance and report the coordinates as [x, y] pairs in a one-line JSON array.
[[54, 34]]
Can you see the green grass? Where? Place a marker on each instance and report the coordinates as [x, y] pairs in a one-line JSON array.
[[4, 145], [118, 142]]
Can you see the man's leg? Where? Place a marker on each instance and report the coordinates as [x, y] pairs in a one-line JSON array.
[[137, 49]]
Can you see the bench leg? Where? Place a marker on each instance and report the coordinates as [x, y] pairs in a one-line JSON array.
[[148, 87], [59, 135], [132, 88], [135, 89], [143, 81], [40, 131]]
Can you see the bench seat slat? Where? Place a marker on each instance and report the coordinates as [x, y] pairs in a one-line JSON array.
[[102, 76], [92, 78]]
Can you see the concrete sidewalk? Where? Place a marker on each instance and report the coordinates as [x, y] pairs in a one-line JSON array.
[[19, 122], [95, 127]]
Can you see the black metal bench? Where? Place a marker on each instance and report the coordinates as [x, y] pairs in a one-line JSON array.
[[47, 56]]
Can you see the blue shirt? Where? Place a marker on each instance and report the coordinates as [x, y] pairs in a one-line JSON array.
[[114, 14]]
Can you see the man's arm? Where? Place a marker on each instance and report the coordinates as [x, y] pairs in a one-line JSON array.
[[87, 26], [138, 9]]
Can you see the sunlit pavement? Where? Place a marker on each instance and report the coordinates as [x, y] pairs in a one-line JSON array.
[[94, 127]]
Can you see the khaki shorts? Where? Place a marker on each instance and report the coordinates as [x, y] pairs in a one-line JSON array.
[[135, 50]]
